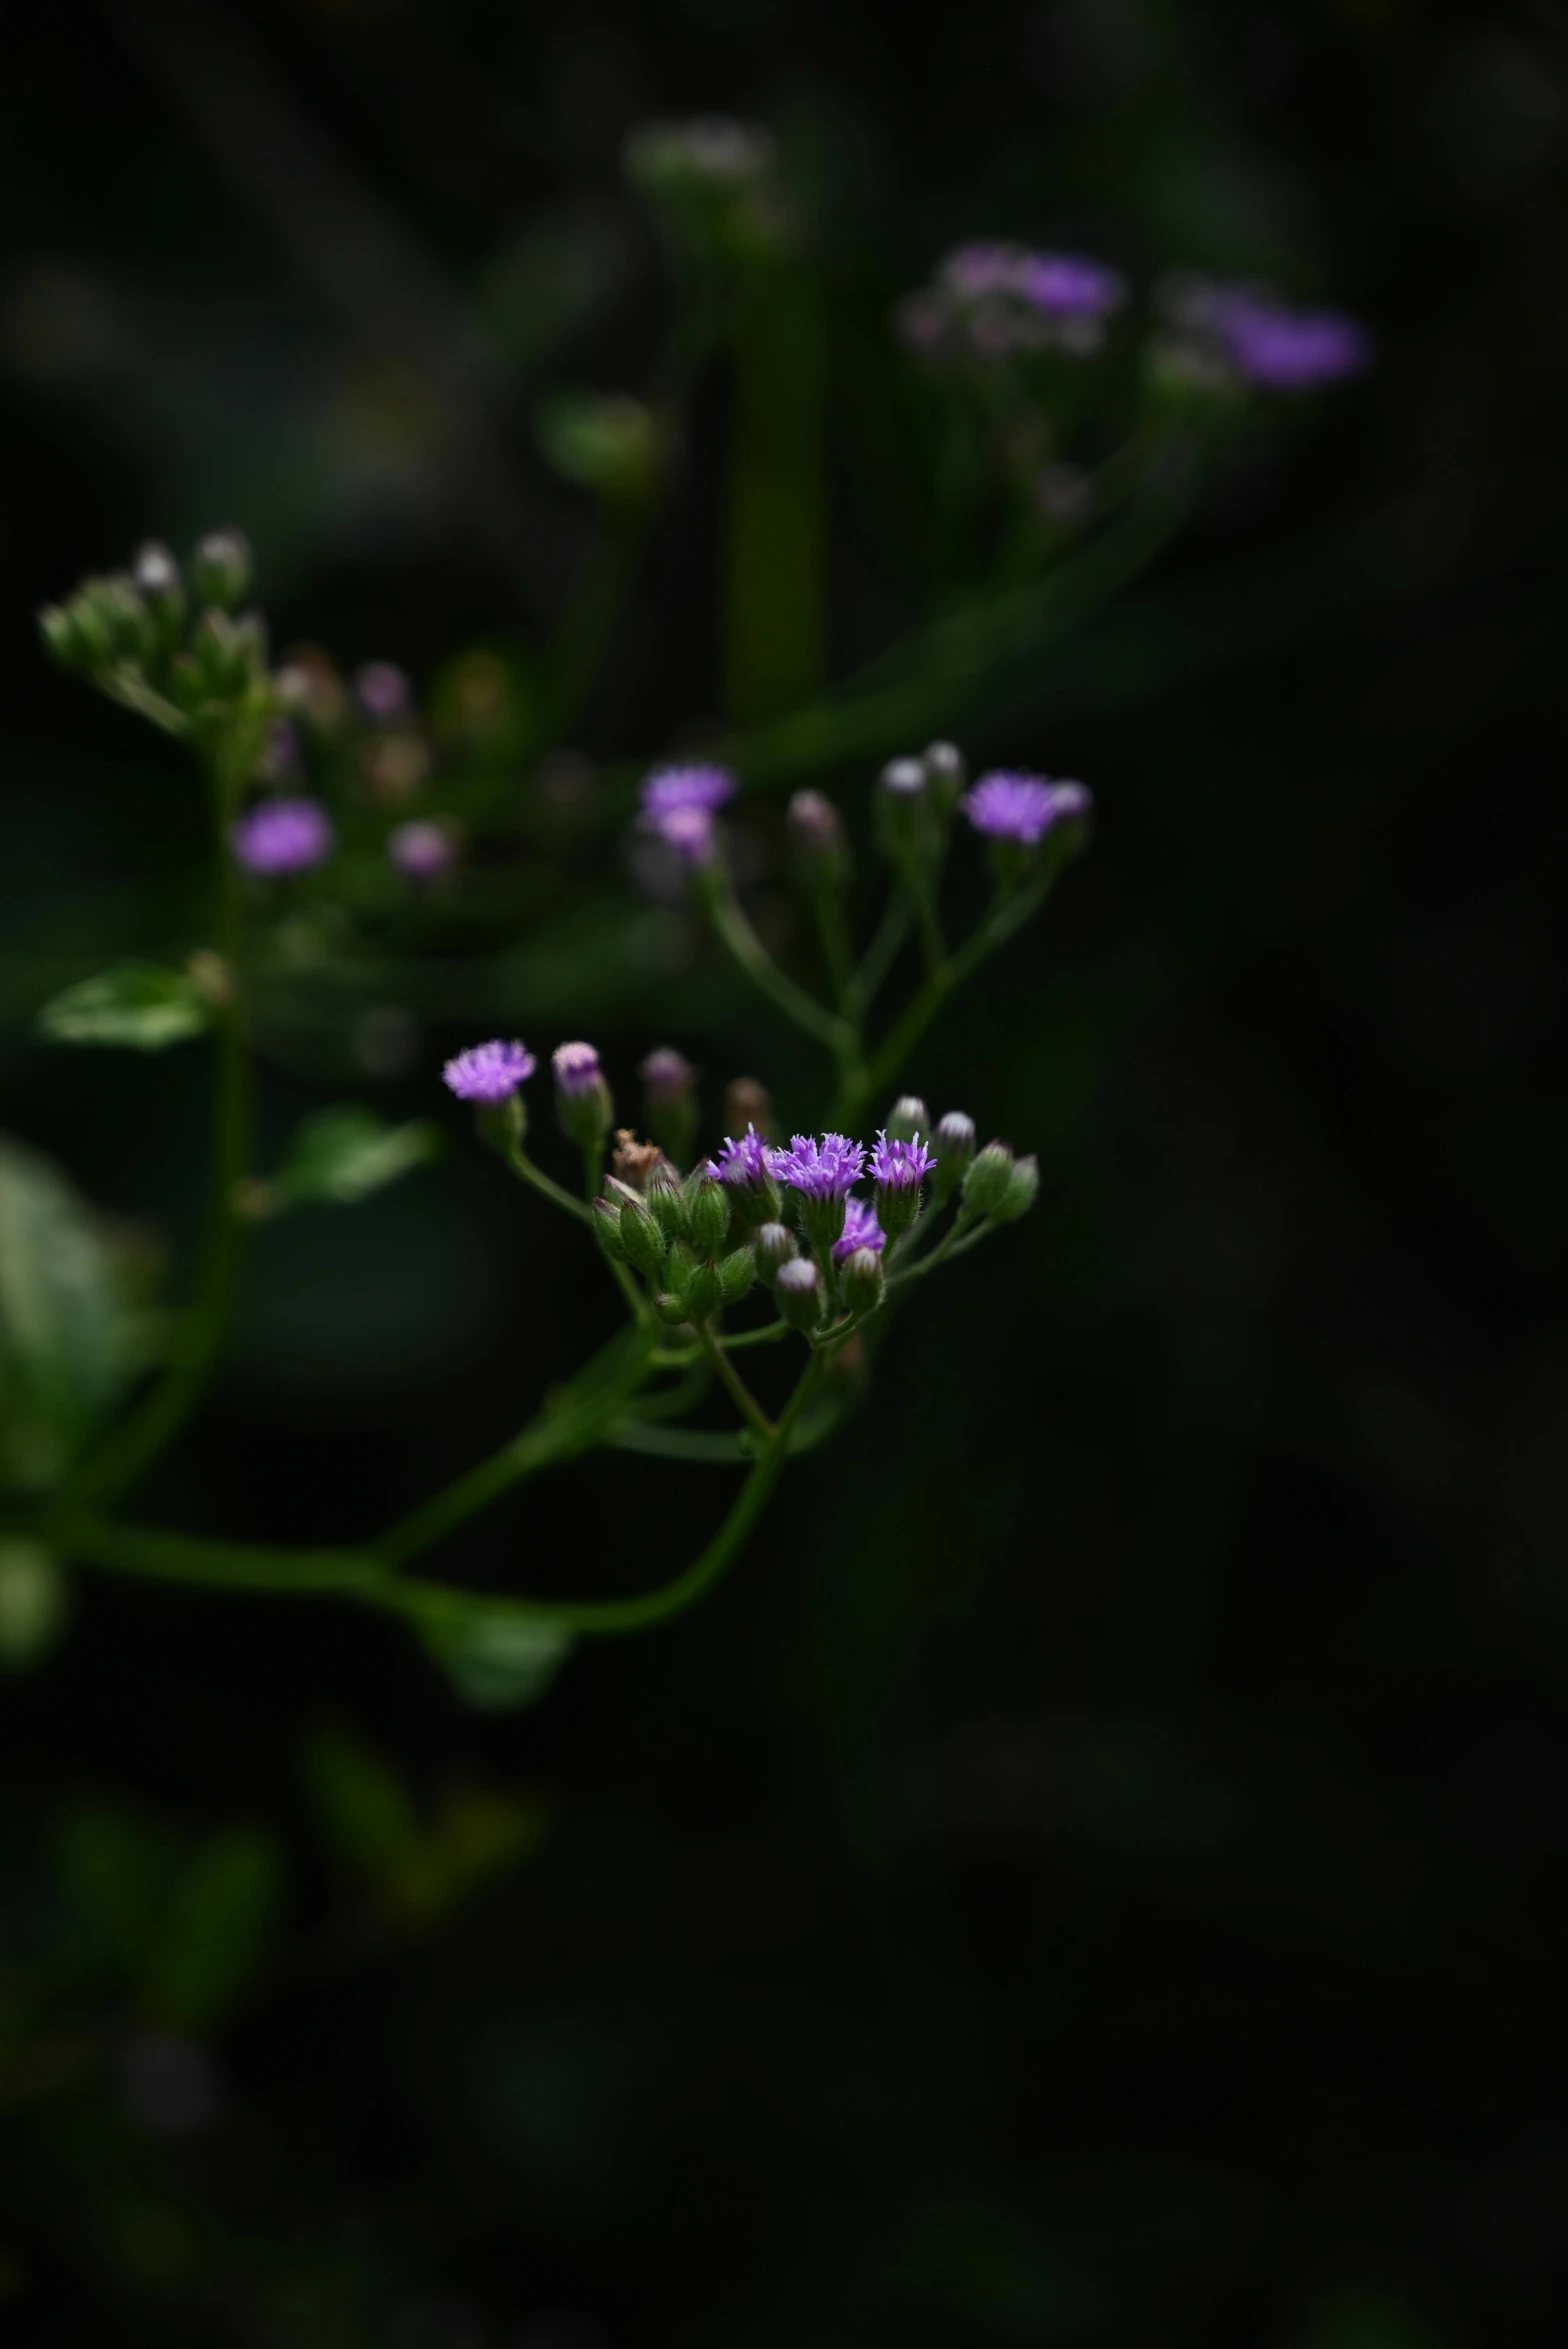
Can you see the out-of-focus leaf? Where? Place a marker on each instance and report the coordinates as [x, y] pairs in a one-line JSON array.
[[362, 1812], [138, 1004], [498, 1662], [34, 1600], [217, 1932], [603, 441], [119, 1872], [67, 1343], [344, 1154]]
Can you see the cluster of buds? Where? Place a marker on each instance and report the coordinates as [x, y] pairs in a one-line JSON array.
[[171, 643], [713, 183], [793, 1216], [990, 301]]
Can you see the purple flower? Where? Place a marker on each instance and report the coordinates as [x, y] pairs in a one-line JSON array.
[[1068, 285], [383, 692], [281, 836], [1022, 808], [421, 851], [689, 831], [985, 267], [489, 1072], [815, 825], [743, 1164], [577, 1070], [668, 1077], [825, 1170], [668, 789], [901, 1166], [1289, 350], [861, 1230]]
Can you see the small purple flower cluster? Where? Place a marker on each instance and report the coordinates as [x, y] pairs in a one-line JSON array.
[[989, 300], [489, 1073], [1021, 808], [281, 836], [679, 805], [1249, 332]]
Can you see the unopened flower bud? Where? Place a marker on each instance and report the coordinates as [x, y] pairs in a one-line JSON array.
[[63, 637], [667, 1200], [220, 656], [736, 1272], [700, 1292], [776, 1246], [799, 1292], [641, 1237], [864, 1282], [816, 831], [946, 773], [671, 1310], [221, 569], [908, 1119], [746, 1103], [156, 576], [1022, 1190], [383, 693], [607, 1228], [582, 1098], [669, 1095], [707, 1213], [130, 630], [953, 1146], [986, 1184]]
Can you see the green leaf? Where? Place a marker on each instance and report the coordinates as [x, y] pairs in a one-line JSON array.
[[219, 1929], [67, 1340], [139, 1004], [34, 1600], [362, 1812], [497, 1662], [341, 1155]]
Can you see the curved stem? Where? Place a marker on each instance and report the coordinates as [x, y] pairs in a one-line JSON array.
[[759, 966], [157, 1419], [524, 1168], [739, 1393]]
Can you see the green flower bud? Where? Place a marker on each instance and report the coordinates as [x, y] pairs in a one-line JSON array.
[[953, 1145], [156, 576], [701, 1292], [607, 1228], [221, 569], [641, 1238], [946, 773], [986, 1183], [582, 1098], [670, 1310], [1022, 1190], [736, 1272], [707, 1213], [799, 1293], [864, 1281], [220, 656], [909, 1120], [667, 1201], [62, 636], [776, 1245]]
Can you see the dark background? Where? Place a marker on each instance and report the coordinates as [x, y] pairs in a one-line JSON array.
[[1092, 1877]]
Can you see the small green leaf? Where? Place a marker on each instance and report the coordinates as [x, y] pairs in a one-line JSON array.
[[34, 1599], [498, 1661], [218, 1930], [139, 1004], [341, 1155], [67, 1341]]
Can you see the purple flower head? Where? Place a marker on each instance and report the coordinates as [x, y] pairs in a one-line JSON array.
[[279, 836], [689, 831], [577, 1070], [743, 1164], [1289, 350], [861, 1230], [489, 1073], [976, 270], [825, 1170], [901, 1166], [383, 692], [670, 788], [1069, 285], [668, 1077], [1022, 808], [421, 851]]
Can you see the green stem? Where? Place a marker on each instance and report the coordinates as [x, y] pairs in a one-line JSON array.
[[759, 966], [157, 1419], [735, 1386], [526, 1171]]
